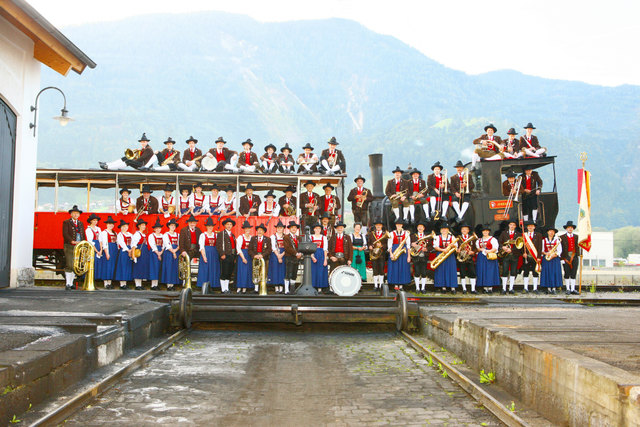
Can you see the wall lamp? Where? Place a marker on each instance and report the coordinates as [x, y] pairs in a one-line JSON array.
[[63, 118]]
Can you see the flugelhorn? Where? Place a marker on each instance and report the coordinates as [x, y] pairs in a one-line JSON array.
[[132, 154], [362, 197]]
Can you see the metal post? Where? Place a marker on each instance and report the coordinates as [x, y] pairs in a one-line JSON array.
[[115, 208], [55, 195], [580, 282], [88, 196]]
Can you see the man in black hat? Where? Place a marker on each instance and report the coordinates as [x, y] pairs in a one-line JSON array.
[[416, 189], [509, 261], [226, 245], [145, 203], [509, 186], [288, 202], [189, 237], [329, 203], [269, 207], [439, 193], [123, 204], [461, 186], [488, 146], [377, 240], [286, 160], [225, 157], [360, 198], [309, 203], [168, 158], [327, 226], [570, 257], [512, 146], [72, 234], [422, 245], [247, 159], [340, 250], [260, 247], [529, 143], [466, 265], [249, 203], [143, 158], [191, 156], [332, 160], [531, 255], [167, 203], [396, 191], [531, 187], [269, 160], [292, 256], [307, 160]]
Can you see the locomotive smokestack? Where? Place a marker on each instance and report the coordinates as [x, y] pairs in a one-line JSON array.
[[375, 163]]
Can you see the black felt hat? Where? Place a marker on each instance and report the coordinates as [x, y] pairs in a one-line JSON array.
[[198, 184], [423, 222], [328, 185], [510, 174], [125, 189], [459, 164], [445, 224], [158, 224], [227, 220], [307, 146], [109, 220], [144, 138], [309, 182], [333, 140], [512, 131], [273, 147], [92, 217], [551, 227], [264, 227], [286, 147], [172, 221], [230, 188], [146, 189], [359, 177], [378, 221], [214, 186], [340, 224], [325, 215], [249, 186], [397, 169], [140, 221], [270, 193], [75, 209], [436, 165], [512, 220], [293, 224], [209, 222], [316, 225], [279, 224], [569, 224], [192, 218], [529, 222], [191, 138], [529, 126], [290, 188], [415, 170], [465, 224], [246, 224], [490, 126], [168, 187], [122, 223], [184, 187], [220, 139], [169, 141], [248, 141]]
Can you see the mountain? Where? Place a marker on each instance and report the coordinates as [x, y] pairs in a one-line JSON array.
[[210, 74]]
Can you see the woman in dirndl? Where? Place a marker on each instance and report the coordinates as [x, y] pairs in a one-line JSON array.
[[123, 263], [109, 244], [446, 275], [359, 242], [156, 247], [209, 268], [275, 275], [141, 263], [169, 272], [319, 268], [399, 270], [244, 272], [551, 274], [92, 234], [487, 270]]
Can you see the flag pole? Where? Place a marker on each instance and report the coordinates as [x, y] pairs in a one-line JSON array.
[[583, 157]]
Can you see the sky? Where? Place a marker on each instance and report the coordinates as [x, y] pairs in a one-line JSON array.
[[589, 41]]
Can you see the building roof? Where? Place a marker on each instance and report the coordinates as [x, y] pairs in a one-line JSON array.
[[51, 47]]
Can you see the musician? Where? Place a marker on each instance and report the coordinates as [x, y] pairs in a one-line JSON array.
[[124, 264], [466, 249], [209, 269], [226, 245], [360, 199], [191, 156], [189, 237], [269, 160], [359, 243], [445, 274], [531, 187], [292, 257], [319, 259], [309, 202], [156, 248], [260, 247], [399, 269], [377, 239], [140, 269], [247, 159], [340, 248], [244, 273], [308, 161], [509, 261], [488, 146], [531, 255], [529, 143], [145, 203], [508, 186], [551, 274], [420, 244], [288, 202], [416, 189], [226, 158], [332, 160], [109, 245], [230, 203], [327, 228], [169, 158], [72, 233], [249, 203], [512, 146], [487, 269], [184, 202], [277, 265], [167, 202], [461, 183], [170, 244], [329, 203], [269, 207], [92, 235], [123, 204], [570, 257], [198, 201], [286, 160], [438, 192], [144, 160], [215, 205], [394, 191]]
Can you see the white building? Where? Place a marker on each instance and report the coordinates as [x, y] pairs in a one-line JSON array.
[[27, 40], [601, 254]]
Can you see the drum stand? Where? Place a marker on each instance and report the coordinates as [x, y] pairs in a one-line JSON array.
[[307, 247]]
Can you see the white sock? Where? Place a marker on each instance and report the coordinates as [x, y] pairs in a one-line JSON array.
[[445, 208], [534, 214], [573, 285], [238, 291], [424, 284], [68, 278], [535, 283], [412, 210], [154, 283], [417, 280], [526, 283], [463, 283], [138, 283], [512, 281], [123, 283], [286, 286], [396, 212], [473, 285], [432, 201], [226, 285], [465, 205], [425, 208], [567, 284], [504, 284], [405, 212], [107, 283], [456, 208], [255, 288]]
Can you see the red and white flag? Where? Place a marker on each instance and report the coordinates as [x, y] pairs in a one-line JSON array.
[[584, 211]]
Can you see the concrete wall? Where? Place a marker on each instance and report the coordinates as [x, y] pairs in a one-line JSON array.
[[19, 85]]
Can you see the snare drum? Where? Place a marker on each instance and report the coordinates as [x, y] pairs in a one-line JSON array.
[[345, 281], [209, 163]]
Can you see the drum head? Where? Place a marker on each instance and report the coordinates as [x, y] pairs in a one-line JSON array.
[[209, 163], [345, 281]]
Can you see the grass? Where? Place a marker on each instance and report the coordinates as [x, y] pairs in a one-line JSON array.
[[487, 378], [14, 420], [512, 407]]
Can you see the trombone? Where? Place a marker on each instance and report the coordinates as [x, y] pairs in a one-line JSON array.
[[513, 197], [445, 189]]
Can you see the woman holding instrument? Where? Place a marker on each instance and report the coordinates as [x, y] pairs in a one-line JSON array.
[[551, 274], [445, 274], [319, 269], [359, 242], [398, 246], [488, 269]]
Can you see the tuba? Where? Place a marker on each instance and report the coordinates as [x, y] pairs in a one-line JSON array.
[[132, 154], [184, 269], [464, 251], [83, 263], [377, 252], [259, 275], [451, 248], [416, 252], [401, 247]]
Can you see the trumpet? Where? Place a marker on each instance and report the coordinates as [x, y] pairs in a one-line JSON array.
[[83, 263], [377, 252], [184, 269], [259, 275], [398, 195], [401, 247], [518, 242], [362, 198], [132, 154], [312, 209], [464, 251]]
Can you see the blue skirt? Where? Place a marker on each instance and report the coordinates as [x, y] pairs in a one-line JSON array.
[[169, 271], [488, 272], [105, 268], [141, 266], [154, 266], [446, 275], [184, 211], [399, 271], [319, 272], [551, 274], [123, 266], [275, 275], [244, 277], [209, 272]]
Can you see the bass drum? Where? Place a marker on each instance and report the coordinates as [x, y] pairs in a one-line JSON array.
[[345, 281], [209, 163]]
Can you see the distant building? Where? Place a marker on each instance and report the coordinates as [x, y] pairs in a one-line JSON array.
[[601, 254], [27, 40], [633, 259]]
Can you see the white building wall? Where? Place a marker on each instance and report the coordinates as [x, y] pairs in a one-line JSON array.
[[19, 85], [601, 254]]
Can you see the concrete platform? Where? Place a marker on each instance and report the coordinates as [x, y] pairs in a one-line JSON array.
[[53, 338], [578, 365]]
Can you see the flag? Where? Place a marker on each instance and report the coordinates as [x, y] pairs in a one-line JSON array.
[[584, 211]]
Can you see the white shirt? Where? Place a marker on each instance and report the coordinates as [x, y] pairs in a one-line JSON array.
[[232, 204], [553, 242], [274, 243], [364, 238], [205, 201], [137, 238], [104, 240], [492, 240], [166, 241], [122, 205], [121, 240], [202, 241], [93, 234], [436, 241], [275, 210], [400, 237], [240, 242], [152, 242], [325, 242]]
